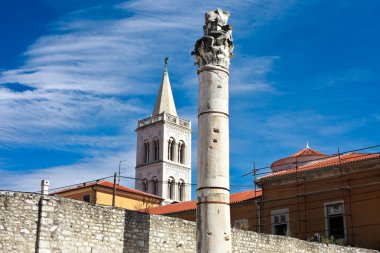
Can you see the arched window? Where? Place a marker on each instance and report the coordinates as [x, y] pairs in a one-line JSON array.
[[146, 151], [181, 152], [144, 185], [171, 188], [154, 185], [171, 146], [156, 147], [181, 190]]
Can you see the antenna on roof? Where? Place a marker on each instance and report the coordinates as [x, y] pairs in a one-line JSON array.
[[307, 145]]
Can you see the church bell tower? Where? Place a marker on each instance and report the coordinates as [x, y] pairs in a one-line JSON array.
[[163, 152]]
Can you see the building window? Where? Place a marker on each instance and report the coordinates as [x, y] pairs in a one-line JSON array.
[[146, 152], [171, 188], [171, 145], [335, 222], [87, 198], [156, 147], [181, 190], [155, 186], [280, 221], [181, 152]]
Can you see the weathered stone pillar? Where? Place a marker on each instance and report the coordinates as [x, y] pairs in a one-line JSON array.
[[175, 155], [213, 52]]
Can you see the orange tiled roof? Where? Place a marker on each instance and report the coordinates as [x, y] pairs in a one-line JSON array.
[[308, 152], [192, 204], [174, 208], [325, 163], [108, 184]]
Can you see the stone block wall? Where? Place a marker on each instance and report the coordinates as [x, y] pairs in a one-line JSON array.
[[171, 235], [18, 222], [45, 224], [249, 242]]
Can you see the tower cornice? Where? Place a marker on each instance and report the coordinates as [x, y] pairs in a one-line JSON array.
[[164, 118]]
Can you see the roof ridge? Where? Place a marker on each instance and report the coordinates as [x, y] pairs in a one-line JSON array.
[[331, 161], [101, 183], [185, 206], [334, 156]]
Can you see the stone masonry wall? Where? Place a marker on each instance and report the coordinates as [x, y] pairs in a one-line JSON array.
[[45, 224], [249, 242], [18, 222]]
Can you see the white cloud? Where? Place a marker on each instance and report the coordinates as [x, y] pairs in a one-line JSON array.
[[91, 75], [251, 75], [56, 119], [85, 170]]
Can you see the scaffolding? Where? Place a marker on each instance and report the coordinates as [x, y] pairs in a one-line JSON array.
[[348, 177]]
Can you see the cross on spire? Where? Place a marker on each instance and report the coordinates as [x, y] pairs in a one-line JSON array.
[[166, 64]]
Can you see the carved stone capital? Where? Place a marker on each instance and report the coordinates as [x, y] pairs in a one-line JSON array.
[[216, 46]]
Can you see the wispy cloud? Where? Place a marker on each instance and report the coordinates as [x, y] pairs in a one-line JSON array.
[[91, 168], [251, 75], [309, 121], [91, 75], [56, 119]]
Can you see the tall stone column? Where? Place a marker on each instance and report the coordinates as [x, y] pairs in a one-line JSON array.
[[213, 52]]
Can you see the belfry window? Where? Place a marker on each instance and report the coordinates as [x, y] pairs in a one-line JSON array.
[[144, 185], [171, 188], [146, 152], [154, 186], [181, 190], [181, 152], [156, 147], [171, 146]]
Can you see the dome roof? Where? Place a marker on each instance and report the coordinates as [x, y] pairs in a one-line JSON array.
[[307, 151], [303, 156]]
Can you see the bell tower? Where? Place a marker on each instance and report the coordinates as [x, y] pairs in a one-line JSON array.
[[163, 152]]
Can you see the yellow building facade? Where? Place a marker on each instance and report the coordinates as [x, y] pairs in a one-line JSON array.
[[101, 193]]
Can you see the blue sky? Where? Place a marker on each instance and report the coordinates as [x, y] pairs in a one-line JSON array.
[[76, 75]]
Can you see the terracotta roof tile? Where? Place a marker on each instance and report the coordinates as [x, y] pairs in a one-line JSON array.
[[192, 204], [108, 184], [174, 208], [307, 152], [325, 163], [243, 196]]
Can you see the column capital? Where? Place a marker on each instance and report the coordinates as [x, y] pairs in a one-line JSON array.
[[216, 46]]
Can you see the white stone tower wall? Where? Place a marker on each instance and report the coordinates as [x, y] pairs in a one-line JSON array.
[[163, 125], [173, 168], [148, 133]]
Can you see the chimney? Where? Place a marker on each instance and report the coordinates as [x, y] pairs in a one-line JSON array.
[[44, 187]]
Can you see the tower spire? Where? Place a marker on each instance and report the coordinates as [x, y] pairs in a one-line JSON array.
[[165, 101]]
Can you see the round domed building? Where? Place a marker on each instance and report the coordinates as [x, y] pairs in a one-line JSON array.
[[300, 158]]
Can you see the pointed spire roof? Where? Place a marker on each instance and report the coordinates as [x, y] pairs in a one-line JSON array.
[[165, 100]]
